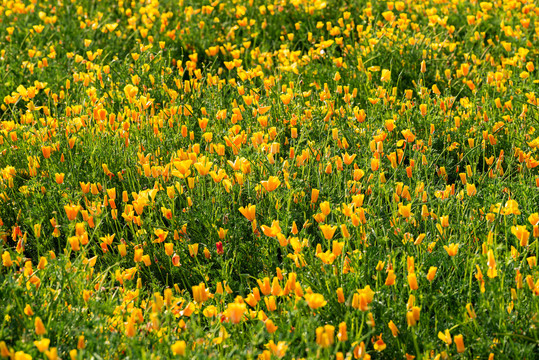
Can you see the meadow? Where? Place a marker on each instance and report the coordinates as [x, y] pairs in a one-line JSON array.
[[252, 179]]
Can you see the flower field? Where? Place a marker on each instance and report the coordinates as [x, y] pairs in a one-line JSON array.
[[269, 179]]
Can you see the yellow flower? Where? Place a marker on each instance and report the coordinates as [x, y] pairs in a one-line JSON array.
[[444, 220], [325, 335], [452, 249], [6, 259], [161, 235], [379, 345], [271, 184], [386, 74], [325, 208], [511, 207], [328, 231], [235, 312], [405, 210], [249, 211], [315, 301], [445, 337], [521, 233], [42, 345], [178, 348]]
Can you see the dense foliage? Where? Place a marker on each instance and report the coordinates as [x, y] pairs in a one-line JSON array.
[[268, 179]]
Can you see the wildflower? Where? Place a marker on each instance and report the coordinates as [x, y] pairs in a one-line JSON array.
[[445, 337], [270, 326], [39, 326], [161, 235], [452, 249], [460, 343], [42, 345], [379, 345], [432, 273], [444, 221], [6, 259], [393, 328], [271, 184], [386, 75], [521, 233], [325, 335], [405, 210], [412, 281], [511, 207], [340, 295], [279, 349], [471, 190], [325, 208], [328, 231], [178, 348], [59, 178], [249, 211], [390, 280], [423, 109], [235, 312], [314, 195], [222, 233], [219, 246], [315, 301]]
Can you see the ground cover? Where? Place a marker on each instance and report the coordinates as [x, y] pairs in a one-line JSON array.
[[269, 179]]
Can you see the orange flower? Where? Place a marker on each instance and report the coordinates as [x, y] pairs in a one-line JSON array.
[[271, 184], [46, 150], [203, 167], [405, 210], [342, 335], [470, 189], [412, 281], [379, 345], [452, 249], [270, 326], [432, 273], [314, 195], [325, 335], [444, 220], [315, 301], [178, 348], [521, 233], [408, 135], [423, 109], [328, 231], [249, 211], [348, 158], [161, 235], [59, 178], [393, 328], [340, 295], [40, 327], [325, 208], [390, 280], [459, 341], [235, 312]]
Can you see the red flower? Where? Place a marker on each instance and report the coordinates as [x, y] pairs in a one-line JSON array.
[[220, 249]]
